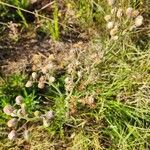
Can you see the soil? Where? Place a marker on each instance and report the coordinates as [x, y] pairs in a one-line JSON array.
[[18, 57]]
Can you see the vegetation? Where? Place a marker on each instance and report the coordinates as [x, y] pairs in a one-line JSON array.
[[90, 89]]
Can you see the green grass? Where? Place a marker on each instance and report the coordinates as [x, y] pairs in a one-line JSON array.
[[114, 74]]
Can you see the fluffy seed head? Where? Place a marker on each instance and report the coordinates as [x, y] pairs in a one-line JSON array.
[[19, 100], [129, 11], [12, 123], [12, 135], [8, 109], [29, 84], [110, 25], [138, 21]]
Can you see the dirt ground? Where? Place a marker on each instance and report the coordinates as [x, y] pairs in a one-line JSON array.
[[18, 57]]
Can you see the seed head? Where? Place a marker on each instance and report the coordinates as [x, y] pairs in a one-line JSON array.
[[34, 75], [26, 135], [37, 113], [46, 123], [29, 84], [12, 135], [42, 79], [113, 31], [119, 13], [111, 2], [114, 10], [129, 11], [51, 79], [8, 109], [110, 25], [107, 18], [41, 85], [115, 38], [49, 115], [138, 21], [12, 123], [135, 13], [19, 100]]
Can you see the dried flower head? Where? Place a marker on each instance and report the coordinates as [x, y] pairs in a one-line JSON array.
[[135, 13], [19, 100], [111, 2], [138, 21], [129, 11], [119, 13], [49, 115], [113, 31], [115, 37], [110, 25], [46, 123], [23, 109], [114, 10], [12, 123], [29, 84], [8, 109], [26, 135], [34, 75], [12, 135], [47, 68], [107, 18], [41, 85], [42, 79], [37, 113], [51, 79]]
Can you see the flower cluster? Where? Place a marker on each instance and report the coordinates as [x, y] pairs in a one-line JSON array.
[[42, 72], [18, 113], [119, 21]]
